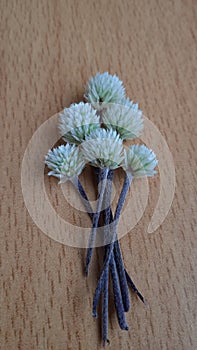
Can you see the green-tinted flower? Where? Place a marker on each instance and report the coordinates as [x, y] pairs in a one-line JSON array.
[[103, 148], [65, 162], [126, 119], [139, 161], [77, 122], [103, 89]]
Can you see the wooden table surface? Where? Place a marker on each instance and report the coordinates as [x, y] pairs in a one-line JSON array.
[[49, 49]]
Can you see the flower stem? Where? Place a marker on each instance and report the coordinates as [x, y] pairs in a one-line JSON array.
[[77, 184], [117, 251], [117, 255], [107, 210], [125, 188], [122, 276], [111, 246], [105, 305], [119, 207], [136, 291], [120, 287], [96, 219], [118, 297]]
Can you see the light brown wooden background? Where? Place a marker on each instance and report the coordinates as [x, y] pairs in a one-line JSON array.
[[48, 51]]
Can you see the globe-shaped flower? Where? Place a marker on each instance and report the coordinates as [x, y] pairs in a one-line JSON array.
[[78, 121], [103, 89], [126, 119], [103, 148], [127, 102], [139, 161], [65, 162]]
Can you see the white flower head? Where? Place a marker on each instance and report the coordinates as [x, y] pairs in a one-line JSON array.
[[65, 162], [126, 119], [139, 161], [103, 148], [103, 89], [78, 121], [127, 102]]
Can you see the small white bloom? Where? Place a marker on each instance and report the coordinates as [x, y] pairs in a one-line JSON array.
[[127, 102], [103, 148], [103, 89], [126, 119], [65, 162], [77, 121], [139, 161]]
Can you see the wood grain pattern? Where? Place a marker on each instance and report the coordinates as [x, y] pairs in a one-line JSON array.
[[48, 51]]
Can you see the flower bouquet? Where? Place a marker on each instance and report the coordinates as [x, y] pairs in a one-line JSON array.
[[94, 132]]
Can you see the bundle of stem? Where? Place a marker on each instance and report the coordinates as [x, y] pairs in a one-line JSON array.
[[113, 261]]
